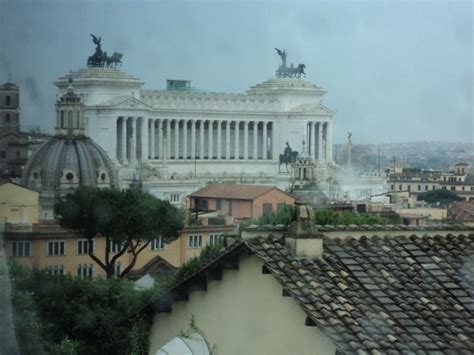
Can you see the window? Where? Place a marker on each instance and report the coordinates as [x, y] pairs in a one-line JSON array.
[[195, 241], [55, 248], [419, 187], [7, 118], [157, 244], [409, 187], [8, 100], [433, 187], [267, 208], [114, 247], [218, 203], [463, 188], [3, 154], [76, 123], [18, 153], [392, 187], [117, 269], [85, 271], [215, 239], [201, 204], [426, 187], [83, 247], [174, 198], [70, 123], [280, 205], [453, 188], [21, 249], [400, 187], [55, 269]]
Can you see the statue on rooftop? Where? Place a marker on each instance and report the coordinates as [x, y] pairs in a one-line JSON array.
[[100, 59], [291, 72]]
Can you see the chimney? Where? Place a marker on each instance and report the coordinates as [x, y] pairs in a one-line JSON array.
[[303, 238]]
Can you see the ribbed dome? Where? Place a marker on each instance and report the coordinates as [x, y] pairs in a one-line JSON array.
[[67, 162]]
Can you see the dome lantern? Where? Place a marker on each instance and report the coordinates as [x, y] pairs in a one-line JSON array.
[[70, 114]]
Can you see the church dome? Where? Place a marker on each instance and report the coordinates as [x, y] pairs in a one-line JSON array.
[[67, 162]]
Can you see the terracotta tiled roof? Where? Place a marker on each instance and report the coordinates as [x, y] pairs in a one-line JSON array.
[[384, 295], [461, 211], [155, 266], [233, 191]]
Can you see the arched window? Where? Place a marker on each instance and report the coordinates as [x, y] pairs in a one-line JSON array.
[[69, 120], [76, 123], [62, 119]]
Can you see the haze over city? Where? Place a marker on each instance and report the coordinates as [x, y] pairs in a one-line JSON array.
[[394, 71]]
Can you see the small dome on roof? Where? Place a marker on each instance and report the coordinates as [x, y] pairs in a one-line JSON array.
[[67, 162]]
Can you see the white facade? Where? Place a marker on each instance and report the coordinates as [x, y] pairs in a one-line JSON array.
[[187, 134]]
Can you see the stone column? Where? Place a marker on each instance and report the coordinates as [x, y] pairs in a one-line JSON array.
[[320, 142], [227, 140], [210, 147], [328, 142], [185, 139], [133, 142], [309, 139], [176, 139], [201, 139], [193, 139], [168, 140], [152, 152], [236, 140], [255, 140], [264, 143], [219, 139], [246, 140], [315, 141], [124, 142], [275, 147], [144, 138], [159, 140]]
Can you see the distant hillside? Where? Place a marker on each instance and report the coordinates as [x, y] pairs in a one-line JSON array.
[[425, 155]]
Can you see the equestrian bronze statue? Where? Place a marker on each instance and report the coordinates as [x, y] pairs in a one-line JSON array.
[[289, 156]]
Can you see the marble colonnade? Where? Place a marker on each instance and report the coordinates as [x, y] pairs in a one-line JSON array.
[[140, 139]]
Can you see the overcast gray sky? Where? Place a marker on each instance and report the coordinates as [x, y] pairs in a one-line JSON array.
[[394, 71]]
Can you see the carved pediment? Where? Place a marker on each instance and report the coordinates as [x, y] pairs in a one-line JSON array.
[[131, 103], [314, 109]]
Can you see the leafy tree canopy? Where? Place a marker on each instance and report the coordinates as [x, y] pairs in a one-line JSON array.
[[283, 216], [127, 217], [443, 197], [64, 315], [328, 216]]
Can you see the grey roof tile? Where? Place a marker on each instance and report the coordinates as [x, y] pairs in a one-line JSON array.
[[415, 289]]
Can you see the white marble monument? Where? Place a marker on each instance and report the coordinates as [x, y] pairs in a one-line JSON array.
[[182, 137]]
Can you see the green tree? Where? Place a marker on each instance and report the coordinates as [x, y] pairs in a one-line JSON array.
[[60, 314], [443, 197], [283, 215], [129, 218], [327, 216]]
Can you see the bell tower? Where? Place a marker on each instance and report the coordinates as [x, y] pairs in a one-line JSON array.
[[9, 108]]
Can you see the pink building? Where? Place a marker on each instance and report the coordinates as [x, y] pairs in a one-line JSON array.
[[240, 201]]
